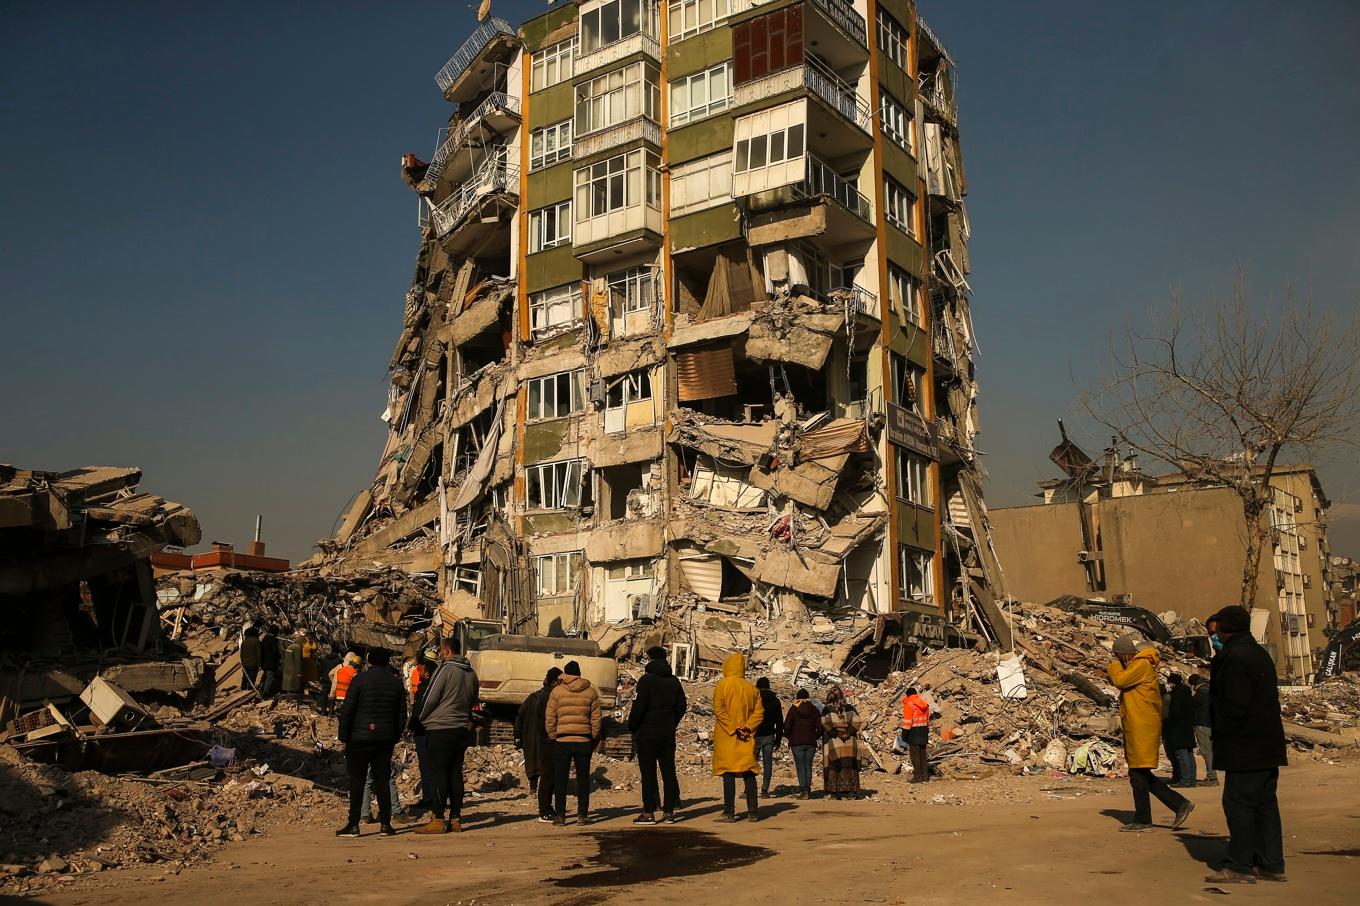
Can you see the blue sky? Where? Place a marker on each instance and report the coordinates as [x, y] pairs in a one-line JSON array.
[[205, 242]]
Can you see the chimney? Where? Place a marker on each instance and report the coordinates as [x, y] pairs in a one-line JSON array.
[[257, 546]]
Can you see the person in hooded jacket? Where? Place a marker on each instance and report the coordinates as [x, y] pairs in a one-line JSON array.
[[1134, 673], [531, 737], [1249, 748], [737, 713], [371, 722], [803, 730], [1178, 730], [574, 722], [421, 675], [657, 708], [447, 717]]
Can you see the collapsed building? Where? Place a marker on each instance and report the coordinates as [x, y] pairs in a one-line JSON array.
[[690, 329]]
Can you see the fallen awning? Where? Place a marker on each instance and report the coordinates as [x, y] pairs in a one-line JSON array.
[[843, 435]]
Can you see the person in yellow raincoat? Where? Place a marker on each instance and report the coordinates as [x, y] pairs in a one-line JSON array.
[[1134, 674], [737, 713]]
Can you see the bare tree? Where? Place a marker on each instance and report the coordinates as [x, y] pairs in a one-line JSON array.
[[1223, 394]]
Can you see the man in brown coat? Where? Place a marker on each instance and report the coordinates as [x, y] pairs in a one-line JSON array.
[[573, 721]]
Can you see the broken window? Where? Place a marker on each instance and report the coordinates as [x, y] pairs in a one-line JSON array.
[[550, 145], [630, 388], [555, 574], [469, 579], [724, 486], [915, 578], [913, 477], [907, 380], [631, 290], [619, 485], [556, 395], [549, 227], [553, 308], [554, 485]]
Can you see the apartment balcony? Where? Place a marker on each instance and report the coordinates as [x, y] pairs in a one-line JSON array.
[[619, 50], [858, 301], [639, 128], [827, 203], [492, 118], [628, 231], [842, 117], [472, 68], [833, 29], [471, 217]]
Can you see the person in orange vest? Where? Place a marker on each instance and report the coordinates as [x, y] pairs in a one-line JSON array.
[[341, 677], [916, 733]]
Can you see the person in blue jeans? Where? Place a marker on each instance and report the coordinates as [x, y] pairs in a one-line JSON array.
[[803, 730], [369, 794], [769, 732]]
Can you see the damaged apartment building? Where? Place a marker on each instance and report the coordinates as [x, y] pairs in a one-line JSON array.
[[690, 323]]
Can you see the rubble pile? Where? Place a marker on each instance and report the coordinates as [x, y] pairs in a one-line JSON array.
[[1330, 707]]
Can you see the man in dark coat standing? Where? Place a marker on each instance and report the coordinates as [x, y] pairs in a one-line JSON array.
[[531, 736], [371, 722], [1249, 748], [1178, 730], [270, 659], [657, 709], [770, 731]]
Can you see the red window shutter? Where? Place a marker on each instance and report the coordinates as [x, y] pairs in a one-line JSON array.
[[793, 34], [741, 52], [776, 30], [760, 48]]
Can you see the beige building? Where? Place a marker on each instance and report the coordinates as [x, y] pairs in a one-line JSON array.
[[1170, 545]]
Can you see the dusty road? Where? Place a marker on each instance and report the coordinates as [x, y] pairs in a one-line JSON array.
[[1017, 840]]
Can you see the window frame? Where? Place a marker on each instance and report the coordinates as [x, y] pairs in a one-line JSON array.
[[570, 561], [924, 563], [540, 388], [638, 173], [692, 113], [909, 298], [540, 157], [648, 20], [551, 56], [638, 288], [687, 174], [912, 473], [627, 395], [891, 32], [894, 196], [898, 123], [700, 26], [565, 487], [546, 300], [598, 97], [539, 220]]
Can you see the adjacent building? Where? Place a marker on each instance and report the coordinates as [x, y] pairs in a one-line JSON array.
[[690, 323], [1110, 529]]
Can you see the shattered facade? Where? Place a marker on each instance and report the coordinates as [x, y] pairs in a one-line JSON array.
[[690, 323]]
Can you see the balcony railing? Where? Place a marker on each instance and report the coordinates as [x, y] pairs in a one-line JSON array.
[[494, 176], [822, 180], [856, 299], [639, 127], [487, 32], [933, 96], [841, 13], [457, 136], [818, 78], [612, 53]]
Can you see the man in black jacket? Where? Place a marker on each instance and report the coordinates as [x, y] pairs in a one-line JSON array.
[[1178, 730], [657, 709], [770, 731], [531, 737], [1249, 748], [371, 722]]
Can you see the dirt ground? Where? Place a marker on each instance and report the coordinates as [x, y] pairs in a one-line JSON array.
[[1040, 839]]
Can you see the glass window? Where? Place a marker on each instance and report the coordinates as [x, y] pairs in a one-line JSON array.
[[615, 184], [615, 20], [549, 227], [897, 123], [690, 17], [631, 290], [555, 574], [556, 395], [633, 387], [549, 145], [899, 206], [703, 93], [892, 38], [552, 64], [702, 183], [617, 96], [553, 308], [904, 293], [913, 477]]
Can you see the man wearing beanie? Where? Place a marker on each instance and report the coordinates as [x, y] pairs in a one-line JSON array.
[[1249, 748], [1134, 673], [573, 722], [657, 708], [371, 721]]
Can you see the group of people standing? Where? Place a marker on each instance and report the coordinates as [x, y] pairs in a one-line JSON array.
[[271, 664], [1245, 740]]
